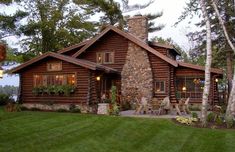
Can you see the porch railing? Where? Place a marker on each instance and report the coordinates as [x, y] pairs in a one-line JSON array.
[[188, 94]]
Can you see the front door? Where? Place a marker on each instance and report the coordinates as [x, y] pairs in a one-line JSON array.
[[105, 84]]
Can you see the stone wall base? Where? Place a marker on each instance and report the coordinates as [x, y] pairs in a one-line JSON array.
[[55, 107]]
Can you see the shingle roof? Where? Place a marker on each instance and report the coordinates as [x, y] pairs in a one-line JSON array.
[[198, 67], [80, 62], [73, 47], [168, 46]]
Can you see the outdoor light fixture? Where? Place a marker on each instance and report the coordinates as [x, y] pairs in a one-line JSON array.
[[184, 88], [216, 80], [1, 72], [98, 78]]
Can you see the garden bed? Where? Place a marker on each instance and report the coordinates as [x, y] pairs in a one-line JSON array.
[[211, 125]]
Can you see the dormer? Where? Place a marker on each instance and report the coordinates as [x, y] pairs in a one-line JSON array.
[[166, 49]]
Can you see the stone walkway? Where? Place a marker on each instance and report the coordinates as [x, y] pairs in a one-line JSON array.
[[130, 113]]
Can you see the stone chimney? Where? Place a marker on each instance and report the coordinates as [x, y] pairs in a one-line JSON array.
[[138, 26], [136, 75]]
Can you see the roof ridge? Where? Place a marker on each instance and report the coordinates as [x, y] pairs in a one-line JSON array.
[[131, 38]]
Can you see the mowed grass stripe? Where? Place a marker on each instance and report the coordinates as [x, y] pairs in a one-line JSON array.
[[51, 131]]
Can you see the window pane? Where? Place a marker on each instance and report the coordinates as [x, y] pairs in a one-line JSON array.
[[54, 79], [107, 57], [59, 79], [99, 57], [50, 80], [160, 86], [38, 80], [71, 79]]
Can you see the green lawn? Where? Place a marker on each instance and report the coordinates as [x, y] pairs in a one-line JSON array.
[[48, 131]]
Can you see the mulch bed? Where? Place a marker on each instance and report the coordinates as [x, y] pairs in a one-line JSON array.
[[210, 125]]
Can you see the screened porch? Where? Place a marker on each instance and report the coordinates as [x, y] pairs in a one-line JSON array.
[[189, 87]]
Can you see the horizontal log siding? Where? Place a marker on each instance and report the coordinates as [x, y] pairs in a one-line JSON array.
[[80, 95], [161, 71], [183, 71], [110, 42], [161, 50]]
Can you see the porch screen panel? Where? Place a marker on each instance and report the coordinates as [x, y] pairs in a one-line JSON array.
[[189, 87]]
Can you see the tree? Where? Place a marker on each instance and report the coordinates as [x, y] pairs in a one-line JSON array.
[[231, 101], [223, 57], [49, 25], [151, 16], [206, 89], [169, 41]]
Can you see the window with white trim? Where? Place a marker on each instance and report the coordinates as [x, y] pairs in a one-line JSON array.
[[53, 79], [105, 57], [160, 86]]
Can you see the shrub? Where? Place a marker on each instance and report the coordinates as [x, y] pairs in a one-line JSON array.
[[35, 109], [219, 120], [17, 107], [68, 89], [113, 94], [24, 108], [229, 122], [211, 117], [5, 98], [72, 107], [194, 115], [114, 110], [54, 89], [107, 101], [126, 106], [39, 90], [62, 110], [194, 108], [76, 110], [11, 107]]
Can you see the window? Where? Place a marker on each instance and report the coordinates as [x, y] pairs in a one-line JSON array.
[[54, 79], [105, 57], [38, 80], [108, 57], [160, 86], [54, 66], [99, 57], [71, 79]]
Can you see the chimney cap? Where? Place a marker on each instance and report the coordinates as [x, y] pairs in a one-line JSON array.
[[137, 16]]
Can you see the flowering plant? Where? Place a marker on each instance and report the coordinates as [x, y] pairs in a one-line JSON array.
[[187, 121]]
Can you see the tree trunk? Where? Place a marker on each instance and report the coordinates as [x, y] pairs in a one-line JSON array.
[[230, 107], [229, 65], [230, 111], [206, 90]]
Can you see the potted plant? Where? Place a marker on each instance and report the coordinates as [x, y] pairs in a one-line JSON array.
[[109, 106]]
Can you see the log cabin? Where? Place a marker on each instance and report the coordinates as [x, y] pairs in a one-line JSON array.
[[125, 59]]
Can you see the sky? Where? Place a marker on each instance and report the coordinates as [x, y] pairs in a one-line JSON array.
[[172, 9]]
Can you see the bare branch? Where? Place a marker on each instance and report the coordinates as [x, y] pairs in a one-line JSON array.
[[222, 25]]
